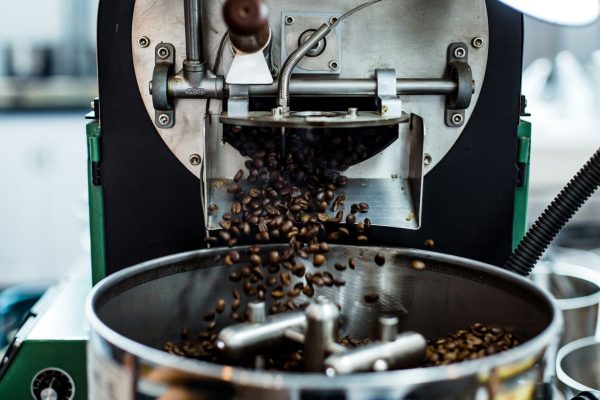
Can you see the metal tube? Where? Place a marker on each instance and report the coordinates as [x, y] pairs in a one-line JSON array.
[[193, 30], [356, 87], [293, 60], [321, 330], [241, 339], [407, 350], [388, 329]]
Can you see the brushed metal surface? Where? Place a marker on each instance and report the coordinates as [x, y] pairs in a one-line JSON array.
[[411, 36]]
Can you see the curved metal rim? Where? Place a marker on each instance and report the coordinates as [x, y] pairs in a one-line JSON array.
[[562, 376], [273, 380], [265, 118], [579, 272]]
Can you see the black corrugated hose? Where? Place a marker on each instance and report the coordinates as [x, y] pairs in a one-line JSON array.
[[554, 218]]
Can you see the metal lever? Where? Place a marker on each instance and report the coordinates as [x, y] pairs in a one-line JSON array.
[[247, 338], [321, 331], [407, 350]]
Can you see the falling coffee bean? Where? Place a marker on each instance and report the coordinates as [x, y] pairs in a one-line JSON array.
[[371, 297], [379, 259], [417, 265]]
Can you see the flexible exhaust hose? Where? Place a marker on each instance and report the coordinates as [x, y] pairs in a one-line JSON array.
[[554, 218]]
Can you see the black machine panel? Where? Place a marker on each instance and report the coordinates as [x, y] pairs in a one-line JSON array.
[[152, 203]]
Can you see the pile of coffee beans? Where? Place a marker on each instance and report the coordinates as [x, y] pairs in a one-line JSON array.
[[469, 344]]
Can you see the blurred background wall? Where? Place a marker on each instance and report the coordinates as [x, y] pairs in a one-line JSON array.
[[47, 79]]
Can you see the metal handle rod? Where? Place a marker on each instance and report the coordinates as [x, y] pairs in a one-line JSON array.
[[293, 60], [356, 87], [193, 30]]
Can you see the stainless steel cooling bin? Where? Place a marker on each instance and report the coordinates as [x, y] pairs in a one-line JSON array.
[[133, 312]]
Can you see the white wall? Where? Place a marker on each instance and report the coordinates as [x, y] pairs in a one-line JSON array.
[[43, 207]]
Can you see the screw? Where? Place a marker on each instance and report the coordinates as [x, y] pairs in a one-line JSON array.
[[333, 65], [333, 20], [459, 52], [289, 20], [163, 52], [427, 159], [275, 70], [164, 119], [195, 159], [457, 119], [477, 42], [144, 41]]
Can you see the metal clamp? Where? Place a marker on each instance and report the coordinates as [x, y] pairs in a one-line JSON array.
[[459, 71], [164, 59], [387, 98]]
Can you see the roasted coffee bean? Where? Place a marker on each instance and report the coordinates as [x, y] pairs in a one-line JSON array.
[[255, 193], [246, 272], [234, 256], [234, 188], [350, 219], [253, 249], [271, 281], [327, 280], [213, 208], [430, 243], [344, 231], [285, 278], [238, 175], [351, 262], [211, 239], [235, 304], [277, 294], [294, 292], [236, 294], [323, 247], [360, 227], [371, 297], [273, 257], [224, 235], [236, 208], [367, 223], [308, 290], [339, 266], [220, 307], [235, 277], [231, 242], [363, 207], [339, 282], [318, 281], [255, 259], [354, 208], [318, 260], [260, 295], [417, 265], [209, 317], [211, 326], [379, 259], [299, 270], [362, 239]]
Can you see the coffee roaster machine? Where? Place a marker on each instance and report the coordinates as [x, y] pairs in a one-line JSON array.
[[176, 76]]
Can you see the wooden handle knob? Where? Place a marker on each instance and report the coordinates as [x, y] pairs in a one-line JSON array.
[[246, 17]]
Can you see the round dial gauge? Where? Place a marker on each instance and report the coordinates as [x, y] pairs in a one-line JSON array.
[[52, 384]]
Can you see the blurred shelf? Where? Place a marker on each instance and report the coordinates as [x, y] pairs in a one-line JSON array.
[[48, 93]]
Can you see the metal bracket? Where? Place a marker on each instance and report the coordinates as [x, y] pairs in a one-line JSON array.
[[387, 98], [164, 62], [238, 102], [460, 72]]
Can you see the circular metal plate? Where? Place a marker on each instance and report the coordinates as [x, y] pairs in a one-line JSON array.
[[411, 36]]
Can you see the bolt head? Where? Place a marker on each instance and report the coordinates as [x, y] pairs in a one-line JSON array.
[[195, 159], [164, 119], [427, 159], [457, 119], [459, 52], [289, 20], [143, 42], [477, 42], [334, 65], [163, 52]]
